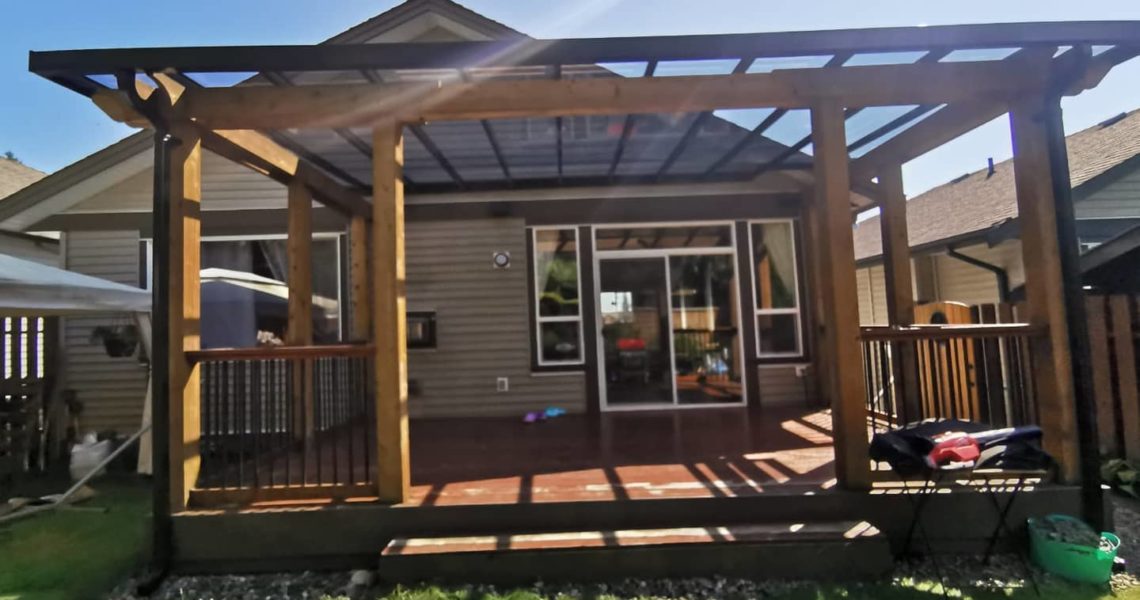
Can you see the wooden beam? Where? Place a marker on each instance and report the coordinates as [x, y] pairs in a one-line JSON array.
[[836, 250], [1101, 358], [299, 329], [361, 325], [900, 288], [1123, 340], [344, 105], [248, 148], [1044, 286], [389, 313], [185, 193], [1072, 73]]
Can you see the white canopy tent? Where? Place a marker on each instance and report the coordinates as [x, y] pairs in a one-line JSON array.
[[29, 289]]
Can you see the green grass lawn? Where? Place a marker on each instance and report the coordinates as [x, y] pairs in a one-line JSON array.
[[65, 555]]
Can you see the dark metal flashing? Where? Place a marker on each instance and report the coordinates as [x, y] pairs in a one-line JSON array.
[[442, 55]]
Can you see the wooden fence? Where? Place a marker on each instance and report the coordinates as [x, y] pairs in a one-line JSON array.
[[27, 360], [1113, 338]]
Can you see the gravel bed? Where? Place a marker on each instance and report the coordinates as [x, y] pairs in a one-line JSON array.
[[1004, 572]]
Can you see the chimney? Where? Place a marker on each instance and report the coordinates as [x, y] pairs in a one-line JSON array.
[[990, 171]]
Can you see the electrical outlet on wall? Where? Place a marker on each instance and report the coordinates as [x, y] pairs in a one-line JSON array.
[[502, 384], [801, 370]]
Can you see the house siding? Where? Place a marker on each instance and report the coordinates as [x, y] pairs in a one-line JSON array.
[[1119, 199], [111, 390], [780, 385], [482, 323]]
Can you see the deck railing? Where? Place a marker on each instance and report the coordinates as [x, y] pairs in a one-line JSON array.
[[972, 372], [285, 423]]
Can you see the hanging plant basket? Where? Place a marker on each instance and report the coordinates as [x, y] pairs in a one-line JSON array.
[[118, 341]]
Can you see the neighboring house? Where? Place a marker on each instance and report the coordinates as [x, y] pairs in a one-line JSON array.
[[956, 227], [15, 176], [102, 203]]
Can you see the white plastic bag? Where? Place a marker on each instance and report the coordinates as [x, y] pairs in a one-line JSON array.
[[87, 454]]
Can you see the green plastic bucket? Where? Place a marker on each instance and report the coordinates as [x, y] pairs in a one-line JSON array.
[[1071, 561]]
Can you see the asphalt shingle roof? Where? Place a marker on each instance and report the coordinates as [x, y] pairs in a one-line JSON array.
[[979, 201], [15, 176]]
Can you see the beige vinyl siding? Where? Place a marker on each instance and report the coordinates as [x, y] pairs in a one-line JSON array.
[[872, 295], [482, 323], [225, 186], [1119, 199], [780, 386], [961, 282], [111, 390]]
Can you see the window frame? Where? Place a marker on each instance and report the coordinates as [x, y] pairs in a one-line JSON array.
[[796, 311], [539, 320]]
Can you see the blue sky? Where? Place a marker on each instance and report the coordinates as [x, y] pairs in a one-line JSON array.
[[48, 127]]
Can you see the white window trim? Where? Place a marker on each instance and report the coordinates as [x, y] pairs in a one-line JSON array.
[[797, 311], [538, 318]]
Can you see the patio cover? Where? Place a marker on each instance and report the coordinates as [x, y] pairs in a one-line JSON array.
[[29, 288]]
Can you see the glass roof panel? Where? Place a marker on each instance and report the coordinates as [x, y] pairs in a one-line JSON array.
[[872, 118], [465, 145], [748, 118], [220, 79], [791, 128], [626, 69], [529, 146], [890, 134], [589, 144], [654, 137], [674, 68], [978, 54], [769, 64], [884, 58], [1097, 50], [712, 140], [105, 80]]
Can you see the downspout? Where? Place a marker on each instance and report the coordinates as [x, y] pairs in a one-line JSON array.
[[1001, 274]]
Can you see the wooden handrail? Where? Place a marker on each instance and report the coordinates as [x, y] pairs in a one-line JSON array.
[[280, 352], [950, 332]]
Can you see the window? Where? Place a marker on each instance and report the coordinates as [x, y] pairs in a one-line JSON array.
[[776, 289], [421, 329], [557, 310]]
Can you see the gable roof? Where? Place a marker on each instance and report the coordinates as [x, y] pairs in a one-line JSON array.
[[975, 203], [15, 176]]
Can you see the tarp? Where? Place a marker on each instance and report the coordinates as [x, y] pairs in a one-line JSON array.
[[28, 288]]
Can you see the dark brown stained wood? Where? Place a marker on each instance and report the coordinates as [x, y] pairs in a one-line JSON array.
[[211, 497], [389, 302], [1102, 373], [361, 284], [946, 332], [280, 352], [1123, 340], [184, 312], [849, 413], [1052, 369], [339, 105]]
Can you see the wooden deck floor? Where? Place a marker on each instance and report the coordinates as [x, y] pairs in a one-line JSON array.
[[703, 453]]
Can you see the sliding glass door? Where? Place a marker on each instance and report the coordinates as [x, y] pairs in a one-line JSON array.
[[668, 317]]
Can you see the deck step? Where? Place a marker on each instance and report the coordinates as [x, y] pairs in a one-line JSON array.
[[838, 549]]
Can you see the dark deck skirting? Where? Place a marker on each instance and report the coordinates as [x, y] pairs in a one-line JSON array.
[[338, 537]]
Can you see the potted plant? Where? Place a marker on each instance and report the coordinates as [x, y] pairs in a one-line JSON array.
[[118, 340]]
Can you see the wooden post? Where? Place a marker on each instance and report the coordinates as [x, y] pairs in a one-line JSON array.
[[389, 312], [816, 253], [299, 331], [361, 325], [184, 311], [835, 246], [900, 289], [1044, 285]]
